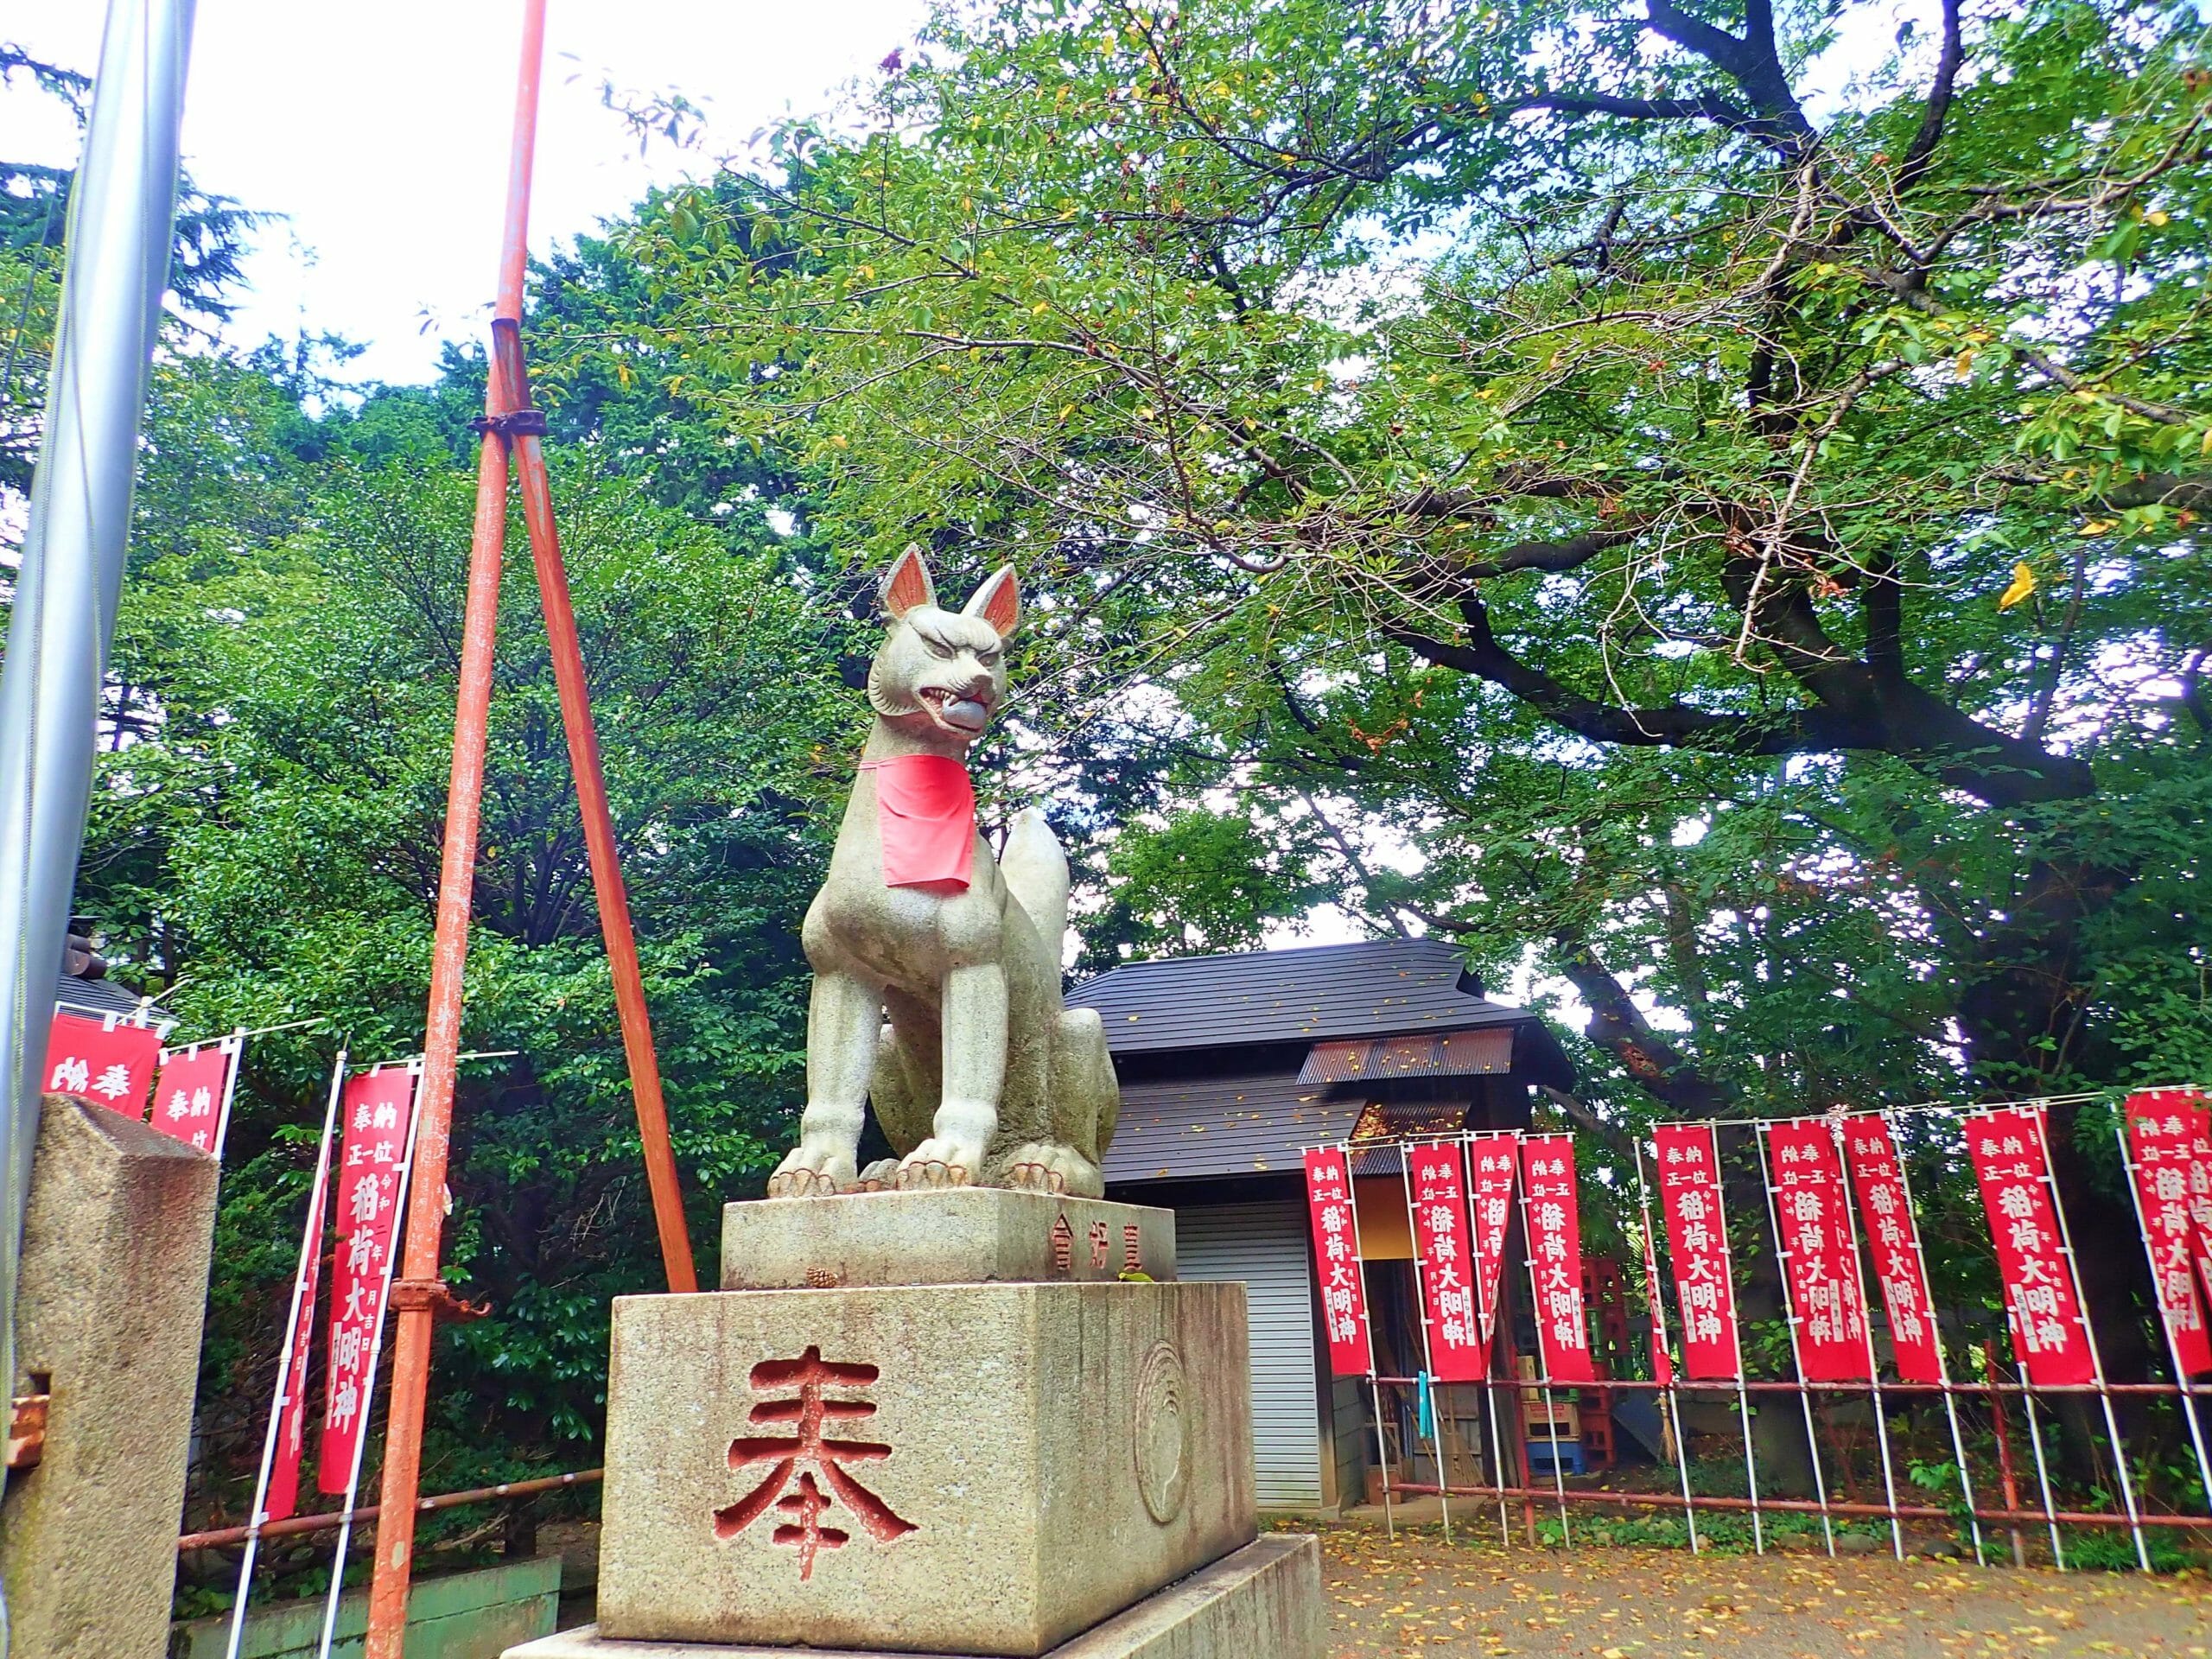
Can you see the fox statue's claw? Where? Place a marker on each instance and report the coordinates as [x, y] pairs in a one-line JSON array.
[[806, 1173]]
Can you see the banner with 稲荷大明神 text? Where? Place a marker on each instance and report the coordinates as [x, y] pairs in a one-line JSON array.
[[1550, 1197], [1443, 1243], [1335, 1254], [1688, 1159], [2043, 1301]]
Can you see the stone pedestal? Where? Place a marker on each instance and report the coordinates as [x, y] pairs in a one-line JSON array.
[[1263, 1602], [1028, 1436], [109, 1310]]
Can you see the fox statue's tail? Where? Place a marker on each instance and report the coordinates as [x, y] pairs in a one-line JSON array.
[[1036, 873]]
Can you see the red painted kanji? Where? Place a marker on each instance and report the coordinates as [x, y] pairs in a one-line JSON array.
[[791, 1487]]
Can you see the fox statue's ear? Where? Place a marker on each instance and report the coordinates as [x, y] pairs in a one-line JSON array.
[[998, 601], [906, 583]]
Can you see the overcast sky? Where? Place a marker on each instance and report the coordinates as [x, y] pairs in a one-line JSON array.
[[380, 132]]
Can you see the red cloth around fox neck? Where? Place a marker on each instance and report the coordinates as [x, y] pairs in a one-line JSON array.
[[926, 807]]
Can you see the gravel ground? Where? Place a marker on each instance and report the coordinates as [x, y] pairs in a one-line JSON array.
[[1417, 1595]]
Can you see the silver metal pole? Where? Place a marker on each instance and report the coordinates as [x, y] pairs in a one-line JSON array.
[[1486, 1313], [1867, 1329], [369, 1371], [1659, 1337], [1789, 1323], [2166, 1324], [310, 1242], [1736, 1333], [1425, 1385], [122, 214], [1935, 1337], [1543, 1360]]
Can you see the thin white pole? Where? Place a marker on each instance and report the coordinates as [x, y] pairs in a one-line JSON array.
[[1935, 1336], [1867, 1329], [2096, 1361], [1736, 1335], [369, 1372], [2173, 1346], [1789, 1322], [1659, 1337], [115, 266], [1367, 1320], [310, 1243], [1424, 1384], [234, 1046], [1543, 1360], [1486, 1314]]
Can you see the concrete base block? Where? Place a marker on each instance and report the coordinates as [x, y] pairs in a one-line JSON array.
[[1263, 1602], [108, 1313], [953, 1469], [955, 1236]]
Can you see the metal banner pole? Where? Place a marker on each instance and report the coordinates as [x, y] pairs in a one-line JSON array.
[[1743, 1394], [1543, 1360], [1936, 1332], [311, 1242], [115, 266], [2173, 1346], [1424, 1386], [1659, 1338], [368, 1391], [1789, 1322], [1866, 1327], [2089, 1329], [1484, 1312], [1366, 1318]]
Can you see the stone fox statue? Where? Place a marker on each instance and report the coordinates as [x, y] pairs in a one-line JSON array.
[[979, 1075]]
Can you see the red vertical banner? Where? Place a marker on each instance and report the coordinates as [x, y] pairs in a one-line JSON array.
[[1444, 1244], [378, 1109], [192, 1090], [1688, 1156], [1336, 1249], [1555, 1225], [2162, 1128], [1870, 1153], [2200, 1194], [2042, 1303], [108, 1061], [283, 1500], [1496, 1160], [1827, 1301]]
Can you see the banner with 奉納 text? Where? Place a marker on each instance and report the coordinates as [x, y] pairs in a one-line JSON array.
[[1335, 1254], [106, 1060], [193, 1092], [1827, 1303], [1495, 1160], [2042, 1303], [283, 1499], [1870, 1155], [1436, 1179], [378, 1111], [2162, 1131], [1550, 1198], [1688, 1159]]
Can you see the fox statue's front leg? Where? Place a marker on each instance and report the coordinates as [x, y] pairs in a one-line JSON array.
[[843, 1018], [975, 1025]]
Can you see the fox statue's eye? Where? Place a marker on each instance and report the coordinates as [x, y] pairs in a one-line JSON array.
[[937, 648], [988, 656]]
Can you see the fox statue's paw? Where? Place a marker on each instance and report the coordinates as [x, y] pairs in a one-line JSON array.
[[880, 1176], [1043, 1167], [808, 1173], [938, 1162]]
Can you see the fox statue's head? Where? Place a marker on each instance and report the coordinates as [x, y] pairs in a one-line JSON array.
[[941, 675]]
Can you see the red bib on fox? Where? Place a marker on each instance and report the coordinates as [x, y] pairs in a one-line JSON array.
[[926, 807]]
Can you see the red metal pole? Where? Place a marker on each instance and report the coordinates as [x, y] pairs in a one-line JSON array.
[[598, 837], [415, 1297]]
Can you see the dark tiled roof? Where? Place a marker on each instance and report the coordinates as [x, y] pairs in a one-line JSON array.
[[1376, 988], [94, 996], [1172, 1128]]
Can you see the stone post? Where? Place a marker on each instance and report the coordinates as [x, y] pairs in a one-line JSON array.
[[109, 1310]]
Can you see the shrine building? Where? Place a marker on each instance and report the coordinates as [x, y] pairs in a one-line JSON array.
[[1231, 1066]]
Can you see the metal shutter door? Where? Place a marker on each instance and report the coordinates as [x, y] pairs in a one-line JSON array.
[[1264, 1244]]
